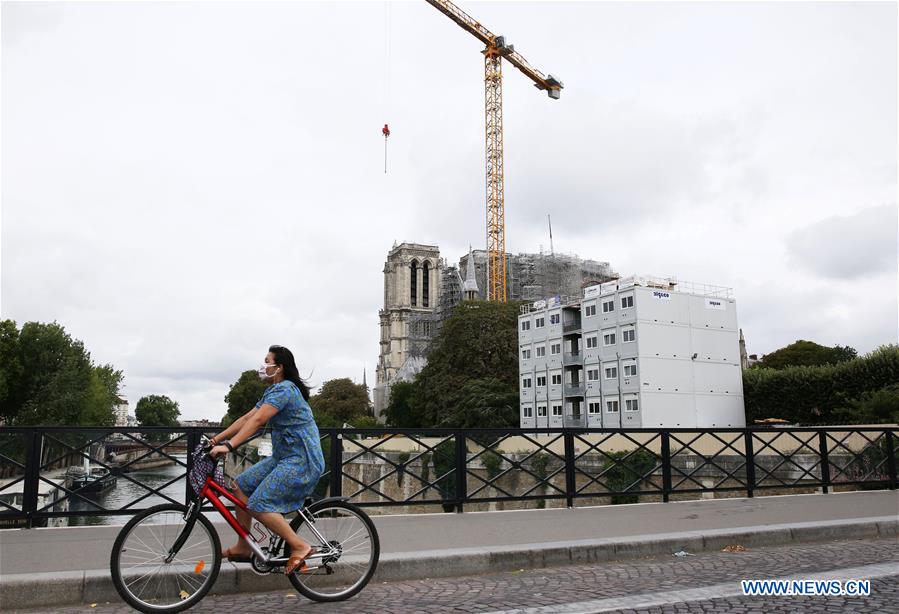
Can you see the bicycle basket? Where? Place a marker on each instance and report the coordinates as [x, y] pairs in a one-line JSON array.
[[204, 467]]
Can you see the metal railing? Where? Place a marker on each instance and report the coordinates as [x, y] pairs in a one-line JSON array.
[[571, 326], [571, 358], [418, 468], [575, 389]]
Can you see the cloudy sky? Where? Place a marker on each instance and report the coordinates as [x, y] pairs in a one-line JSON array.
[[184, 184]]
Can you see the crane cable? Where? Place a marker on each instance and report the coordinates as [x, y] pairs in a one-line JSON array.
[[386, 129]]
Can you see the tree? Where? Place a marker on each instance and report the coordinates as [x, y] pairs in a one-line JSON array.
[[243, 395], [485, 403], [103, 395], [399, 409], [157, 410], [626, 470], [807, 354], [810, 395], [339, 401], [478, 342], [10, 368], [872, 407], [46, 377], [444, 472]]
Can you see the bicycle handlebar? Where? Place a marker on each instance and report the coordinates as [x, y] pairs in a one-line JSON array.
[[207, 447]]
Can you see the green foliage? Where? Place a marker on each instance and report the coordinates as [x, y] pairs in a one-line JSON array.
[[243, 395], [399, 409], [492, 463], [157, 410], [806, 354], [624, 475], [471, 379], [444, 465], [339, 401], [872, 407], [539, 463], [810, 395], [486, 403], [48, 378], [10, 367], [103, 395]]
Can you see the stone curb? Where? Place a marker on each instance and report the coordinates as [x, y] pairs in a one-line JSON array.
[[19, 591]]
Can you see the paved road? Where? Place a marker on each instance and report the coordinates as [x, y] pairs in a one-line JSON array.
[[78, 548], [709, 579]]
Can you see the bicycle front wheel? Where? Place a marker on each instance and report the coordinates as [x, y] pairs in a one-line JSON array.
[[141, 571], [349, 537]]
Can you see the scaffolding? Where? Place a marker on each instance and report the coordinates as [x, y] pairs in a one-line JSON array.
[[533, 277]]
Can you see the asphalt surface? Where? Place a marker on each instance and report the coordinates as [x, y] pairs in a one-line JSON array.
[[702, 582]]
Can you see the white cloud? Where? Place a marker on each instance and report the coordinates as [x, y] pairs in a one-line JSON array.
[[848, 247]]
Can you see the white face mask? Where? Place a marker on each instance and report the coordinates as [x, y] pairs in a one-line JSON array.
[[263, 375]]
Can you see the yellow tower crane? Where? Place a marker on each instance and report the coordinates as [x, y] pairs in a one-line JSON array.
[[496, 49]]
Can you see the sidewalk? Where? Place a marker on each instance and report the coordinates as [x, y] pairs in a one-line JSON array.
[[70, 565]]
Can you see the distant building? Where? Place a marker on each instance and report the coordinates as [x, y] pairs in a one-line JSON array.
[[632, 353], [121, 411], [412, 289], [212, 424]]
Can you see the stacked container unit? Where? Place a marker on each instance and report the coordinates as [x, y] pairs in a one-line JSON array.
[[643, 354], [540, 366]]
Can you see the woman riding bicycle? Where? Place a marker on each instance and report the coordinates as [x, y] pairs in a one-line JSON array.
[[280, 483]]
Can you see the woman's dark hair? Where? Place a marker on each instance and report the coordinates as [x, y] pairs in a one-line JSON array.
[[284, 357]]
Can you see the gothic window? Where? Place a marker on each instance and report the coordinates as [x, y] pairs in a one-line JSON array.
[[413, 290], [425, 285]]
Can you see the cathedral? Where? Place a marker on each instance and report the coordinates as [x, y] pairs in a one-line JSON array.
[[421, 289]]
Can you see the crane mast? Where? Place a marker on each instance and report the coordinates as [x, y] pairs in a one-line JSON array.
[[495, 50]]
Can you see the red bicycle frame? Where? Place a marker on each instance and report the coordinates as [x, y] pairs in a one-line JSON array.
[[212, 491]]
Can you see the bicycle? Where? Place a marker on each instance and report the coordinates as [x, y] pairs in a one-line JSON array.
[[167, 558]]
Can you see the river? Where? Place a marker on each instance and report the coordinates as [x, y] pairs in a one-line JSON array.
[[126, 491]]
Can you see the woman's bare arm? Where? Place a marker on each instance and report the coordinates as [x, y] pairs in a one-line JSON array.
[[254, 421], [233, 428]]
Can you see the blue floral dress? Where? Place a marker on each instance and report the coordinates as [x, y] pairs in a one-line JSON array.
[[282, 482]]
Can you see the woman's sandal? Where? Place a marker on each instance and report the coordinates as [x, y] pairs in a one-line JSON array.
[[236, 558], [297, 563]]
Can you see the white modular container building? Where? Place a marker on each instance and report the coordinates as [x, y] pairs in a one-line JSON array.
[[632, 353]]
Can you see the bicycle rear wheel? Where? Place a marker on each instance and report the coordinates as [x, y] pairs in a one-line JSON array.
[[350, 537], [140, 572]]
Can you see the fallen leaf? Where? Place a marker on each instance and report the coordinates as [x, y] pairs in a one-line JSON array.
[[734, 548], [93, 605]]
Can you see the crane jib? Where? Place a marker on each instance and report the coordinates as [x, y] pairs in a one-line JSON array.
[[496, 49]]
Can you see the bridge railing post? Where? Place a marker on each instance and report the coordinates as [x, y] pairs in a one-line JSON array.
[[570, 481], [461, 471], [193, 440], [891, 457], [750, 463], [825, 461], [666, 466], [336, 462], [32, 475]]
